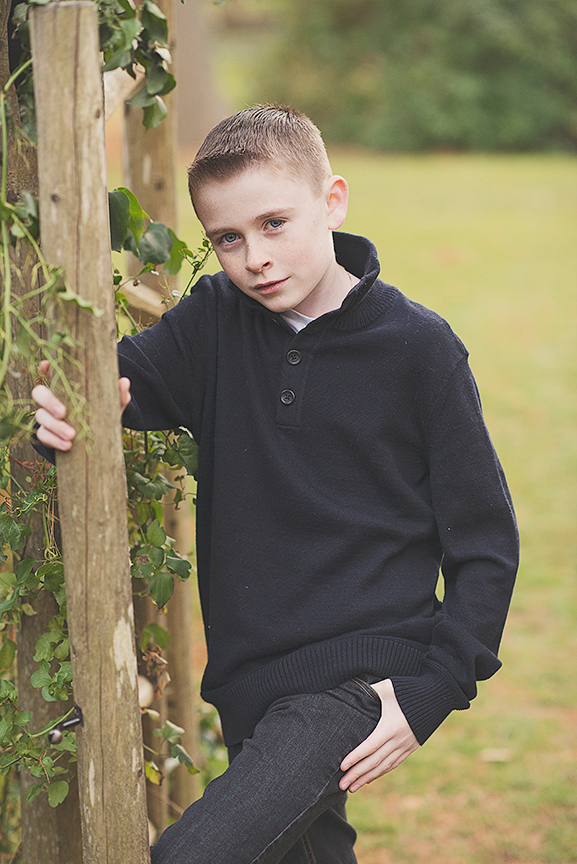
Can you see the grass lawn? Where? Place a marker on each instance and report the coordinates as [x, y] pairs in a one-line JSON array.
[[490, 243]]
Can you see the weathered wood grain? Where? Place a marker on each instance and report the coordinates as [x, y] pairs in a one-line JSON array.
[[75, 234]]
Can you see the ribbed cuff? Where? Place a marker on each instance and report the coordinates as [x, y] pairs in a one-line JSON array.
[[426, 700]]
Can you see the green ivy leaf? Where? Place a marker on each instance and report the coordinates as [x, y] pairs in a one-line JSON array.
[[170, 732], [177, 255], [33, 791], [155, 534], [178, 565], [6, 727], [159, 81], [144, 512], [24, 568], [118, 59], [7, 580], [156, 77], [122, 56], [9, 531], [153, 774], [44, 643], [156, 633], [155, 244], [49, 694], [151, 488], [137, 214], [177, 751], [62, 651], [161, 588], [23, 338], [141, 571], [68, 744], [8, 426], [28, 208], [42, 676], [143, 99], [154, 21], [53, 574], [17, 231], [57, 792], [8, 692], [130, 27], [153, 553], [119, 209], [187, 449], [169, 84], [154, 114], [9, 603], [128, 6], [7, 654]]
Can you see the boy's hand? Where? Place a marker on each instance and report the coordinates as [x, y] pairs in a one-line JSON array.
[[53, 431], [385, 748]]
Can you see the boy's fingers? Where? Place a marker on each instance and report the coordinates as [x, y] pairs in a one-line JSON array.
[[378, 761], [374, 767], [47, 421], [366, 757], [44, 367], [44, 397], [51, 439], [53, 431], [374, 741], [125, 396]]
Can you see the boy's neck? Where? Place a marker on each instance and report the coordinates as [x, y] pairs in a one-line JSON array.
[[337, 286]]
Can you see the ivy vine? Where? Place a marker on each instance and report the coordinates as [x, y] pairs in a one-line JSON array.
[[131, 36]]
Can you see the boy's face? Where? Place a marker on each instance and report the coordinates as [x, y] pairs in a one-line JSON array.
[[272, 236]]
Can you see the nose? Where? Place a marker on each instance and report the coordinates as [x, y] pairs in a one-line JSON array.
[[257, 258]]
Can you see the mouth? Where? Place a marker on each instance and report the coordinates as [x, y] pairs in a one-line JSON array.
[[269, 287]]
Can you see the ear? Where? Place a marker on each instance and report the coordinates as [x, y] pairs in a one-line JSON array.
[[337, 198]]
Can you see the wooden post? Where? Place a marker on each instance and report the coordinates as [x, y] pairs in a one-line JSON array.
[[75, 234], [48, 835], [149, 159], [200, 104]]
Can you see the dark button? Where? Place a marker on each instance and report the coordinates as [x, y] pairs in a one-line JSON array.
[[294, 357], [287, 397]]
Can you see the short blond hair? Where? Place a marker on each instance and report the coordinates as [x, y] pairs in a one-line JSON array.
[[262, 134]]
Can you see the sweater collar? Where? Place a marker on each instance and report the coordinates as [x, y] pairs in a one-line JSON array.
[[368, 299]]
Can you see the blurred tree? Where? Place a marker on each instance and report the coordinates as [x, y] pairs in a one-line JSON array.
[[199, 103], [463, 74]]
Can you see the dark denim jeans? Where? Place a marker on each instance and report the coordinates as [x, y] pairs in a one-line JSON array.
[[279, 800]]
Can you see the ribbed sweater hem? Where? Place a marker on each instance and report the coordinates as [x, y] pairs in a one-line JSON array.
[[312, 669]]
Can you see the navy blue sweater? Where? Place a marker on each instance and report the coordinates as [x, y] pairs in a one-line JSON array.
[[340, 468]]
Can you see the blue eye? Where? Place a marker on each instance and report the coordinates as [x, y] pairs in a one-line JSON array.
[[275, 223], [229, 237]]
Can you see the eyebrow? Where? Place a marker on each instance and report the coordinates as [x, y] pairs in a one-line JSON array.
[[262, 217]]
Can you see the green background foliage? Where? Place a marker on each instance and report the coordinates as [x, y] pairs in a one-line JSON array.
[[425, 74]]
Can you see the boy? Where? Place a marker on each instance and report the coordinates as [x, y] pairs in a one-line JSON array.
[[343, 461]]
